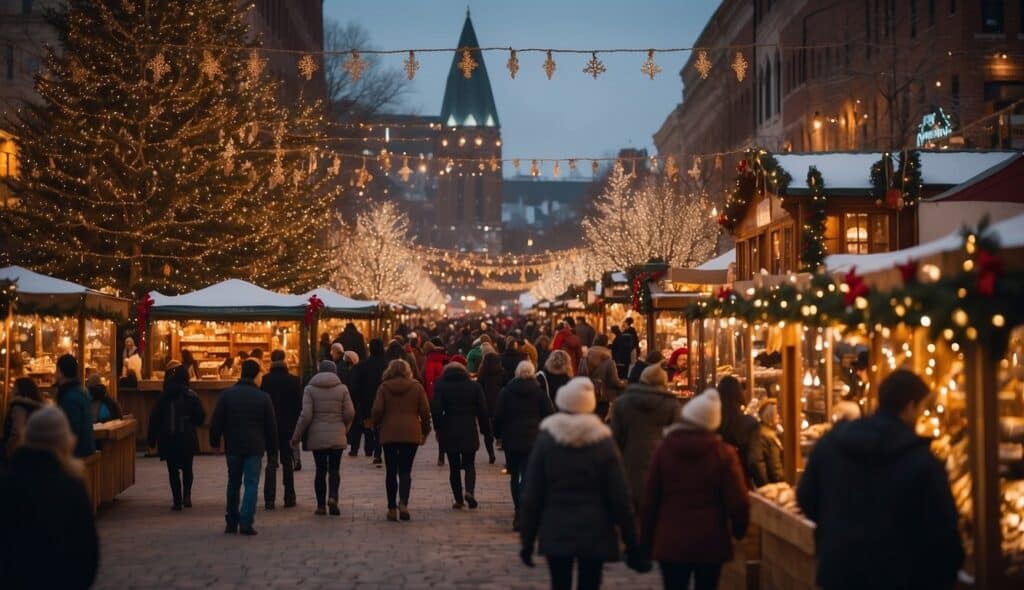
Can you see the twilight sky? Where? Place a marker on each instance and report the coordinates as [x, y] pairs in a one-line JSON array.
[[571, 115]]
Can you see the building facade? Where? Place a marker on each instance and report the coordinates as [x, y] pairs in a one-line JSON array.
[[24, 37]]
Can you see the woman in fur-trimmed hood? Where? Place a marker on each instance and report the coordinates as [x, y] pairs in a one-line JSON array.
[[576, 501]]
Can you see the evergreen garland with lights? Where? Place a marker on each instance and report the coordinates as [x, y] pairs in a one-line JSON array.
[[144, 173], [813, 238], [897, 187], [756, 173]]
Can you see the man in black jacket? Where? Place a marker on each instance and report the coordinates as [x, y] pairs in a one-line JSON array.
[[285, 391], [366, 379], [352, 339], [885, 516], [244, 416]]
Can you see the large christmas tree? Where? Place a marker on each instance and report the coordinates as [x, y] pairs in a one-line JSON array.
[[160, 158]]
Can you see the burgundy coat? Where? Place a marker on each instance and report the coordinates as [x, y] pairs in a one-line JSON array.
[[696, 495]]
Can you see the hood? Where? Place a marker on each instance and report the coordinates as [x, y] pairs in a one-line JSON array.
[[325, 380], [455, 374], [398, 386], [26, 402], [598, 354], [522, 387], [575, 430], [688, 440], [647, 398], [877, 437]]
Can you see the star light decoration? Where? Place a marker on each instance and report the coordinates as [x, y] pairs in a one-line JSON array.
[[671, 168], [335, 167], [515, 164], [467, 64], [703, 64], [649, 68], [361, 177], [549, 65], [355, 66], [307, 66], [512, 64], [405, 171], [556, 170], [740, 65], [495, 164], [694, 170], [159, 66], [411, 65], [209, 66], [595, 67]]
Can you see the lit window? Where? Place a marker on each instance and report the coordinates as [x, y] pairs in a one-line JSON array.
[[856, 233]]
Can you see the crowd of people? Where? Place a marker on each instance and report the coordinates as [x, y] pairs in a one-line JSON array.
[[600, 454]]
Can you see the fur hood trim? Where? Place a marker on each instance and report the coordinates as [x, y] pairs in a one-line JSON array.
[[575, 430]]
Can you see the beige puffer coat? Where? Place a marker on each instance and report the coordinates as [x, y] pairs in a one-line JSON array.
[[327, 412]]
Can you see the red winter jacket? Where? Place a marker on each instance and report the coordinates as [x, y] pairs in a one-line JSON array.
[[568, 341], [695, 499], [433, 366]]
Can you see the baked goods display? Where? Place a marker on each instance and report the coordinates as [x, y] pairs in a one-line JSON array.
[[781, 494]]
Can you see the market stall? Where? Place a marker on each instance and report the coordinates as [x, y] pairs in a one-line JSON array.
[[339, 310]]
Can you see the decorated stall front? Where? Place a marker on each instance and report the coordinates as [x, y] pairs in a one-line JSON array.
[[338, 311]]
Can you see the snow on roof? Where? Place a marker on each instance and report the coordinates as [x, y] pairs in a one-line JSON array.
[[33, 282], [1009, 232], [619, 277], [852, 170], [232, 293], [720, 262], [339, 302]]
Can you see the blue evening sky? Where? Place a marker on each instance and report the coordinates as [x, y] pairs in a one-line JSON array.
[[571, 115]]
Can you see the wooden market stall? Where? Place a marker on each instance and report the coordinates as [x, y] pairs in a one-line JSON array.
[[339, 310]]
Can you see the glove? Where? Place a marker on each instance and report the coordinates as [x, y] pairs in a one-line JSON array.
[[638, 562], [526, 556]]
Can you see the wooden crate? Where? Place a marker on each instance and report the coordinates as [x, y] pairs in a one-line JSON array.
[[787, 547]]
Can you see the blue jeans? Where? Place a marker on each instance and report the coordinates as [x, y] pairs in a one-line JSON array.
[[243, 468]]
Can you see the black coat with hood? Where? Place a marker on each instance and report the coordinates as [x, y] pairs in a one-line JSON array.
[[885, 516], [366, 380], [491, 382], [522, 404], [352, 339], [172, 425], [639, 418], [459, 411], [551, 382]]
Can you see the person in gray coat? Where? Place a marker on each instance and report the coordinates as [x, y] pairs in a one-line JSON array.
[[576, 501], [327, 412], [639, 418]]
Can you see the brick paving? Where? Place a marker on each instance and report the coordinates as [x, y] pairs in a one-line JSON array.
[[145, 545]]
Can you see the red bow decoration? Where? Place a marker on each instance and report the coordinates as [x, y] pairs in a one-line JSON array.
[[742, 166], [722, 219], [143, 319], [908, 271], [856, 286], [990, 268], [724, 293], [315, 304]]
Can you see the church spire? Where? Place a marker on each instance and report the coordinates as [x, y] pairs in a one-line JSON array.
[[469, 103]]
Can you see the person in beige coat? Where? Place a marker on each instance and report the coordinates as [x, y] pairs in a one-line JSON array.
[[402, 413], [599, 366], [327, 412]]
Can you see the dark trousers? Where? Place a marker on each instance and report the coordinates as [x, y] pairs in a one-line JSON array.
[[677, 575], [358, 432], [328, 475], [398, 458], [588, 574], [180, 474], [602, 410], [286, 460], [462, 461], [489, 445], [516, 463]]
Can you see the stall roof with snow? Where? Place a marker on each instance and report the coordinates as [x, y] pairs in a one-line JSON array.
[[231, 299], [45, 295], [720, 262]]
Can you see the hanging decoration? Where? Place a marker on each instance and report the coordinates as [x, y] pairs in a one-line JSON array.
[[854, 288], [703, 64], [158, 66], [313, 307], [989, 269], [467, 64], [640, 283], [595, 67], [355, 66], [411, 65], [209, 67], [908, 271], [512, 64], [255, 64], [649, 68], [718, 161], [142, 319], [405, 171], [534, 168], [361, 177], [384, 160], [308, 66], [495, 164], [572, 165], [756, 173], [671, 168], [694, 171], [595, 166], [335, 167], [515, 164], [653, 164], [556, 170], [549, 65], [896, 187], [813, 236], [740, 65]]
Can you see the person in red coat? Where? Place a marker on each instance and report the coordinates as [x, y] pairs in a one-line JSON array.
[[695, 498], [433, 365], [567, 340]]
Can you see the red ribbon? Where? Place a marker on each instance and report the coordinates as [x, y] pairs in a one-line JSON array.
[[315, 305], [742, 166], [990, 268], [908, 271], [724, 293], [143, 319], [856, 286]]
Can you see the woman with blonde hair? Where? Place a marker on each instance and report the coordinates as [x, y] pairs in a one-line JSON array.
[[557, 372], [401, 412]]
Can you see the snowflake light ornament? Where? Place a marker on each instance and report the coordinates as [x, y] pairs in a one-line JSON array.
[[595, 67], [411, 65], [405, 171], [467, 64], [694, 171], [209, 67], [703, 64], [254, 65], [307, 66], [549, 65], [740, 65], [355, 66], [650, 69], [512, 64]]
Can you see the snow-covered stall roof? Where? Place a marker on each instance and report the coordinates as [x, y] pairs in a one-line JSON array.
[[42, 293], [852, 170], [720, 262], [233, 298], [338, 305]]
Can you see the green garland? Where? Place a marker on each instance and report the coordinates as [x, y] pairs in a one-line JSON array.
[[906, 178], [813, 254], [756, 172]]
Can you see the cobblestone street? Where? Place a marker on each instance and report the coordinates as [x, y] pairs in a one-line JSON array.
[[145, 545]]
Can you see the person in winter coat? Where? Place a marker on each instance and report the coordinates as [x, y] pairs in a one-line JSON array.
[[244, 417], [567, 340], [766, 450], [402, 413], [73, 399], [576, 501], [433, 365], [738, 429], [353, 340], [639, 418], [529, 351], [522, 405], [906, 536], [104, 408], [476, 354], [172, 431], [48, 534], [366, 379], [25, 400], [491, 378], [585, 331], [327, 412], [557, 372], [285, 391], [131, 364], [511, 358], [346, 368], [653, 358], [695, 501], [543, 346], [460, 414], [600, 368], [622, 351]]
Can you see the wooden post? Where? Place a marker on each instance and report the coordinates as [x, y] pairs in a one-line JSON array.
[[874, 369], [5, 386], [113, 358], [983, 451], [792, 363], [651, 323], [829, 352]]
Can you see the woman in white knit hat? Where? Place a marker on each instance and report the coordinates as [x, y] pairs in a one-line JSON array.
[[695, 498], [576, 500]]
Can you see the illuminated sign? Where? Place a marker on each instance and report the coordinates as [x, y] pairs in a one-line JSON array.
[[934, 126]]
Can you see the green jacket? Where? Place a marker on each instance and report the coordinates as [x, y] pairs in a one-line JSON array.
[[473, 359]]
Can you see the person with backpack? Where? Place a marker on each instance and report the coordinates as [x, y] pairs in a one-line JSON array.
[[557, 372], [600, 368], [172, 430], [285, 391]]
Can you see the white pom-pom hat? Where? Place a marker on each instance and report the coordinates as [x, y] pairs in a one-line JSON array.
[[577, 396]]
